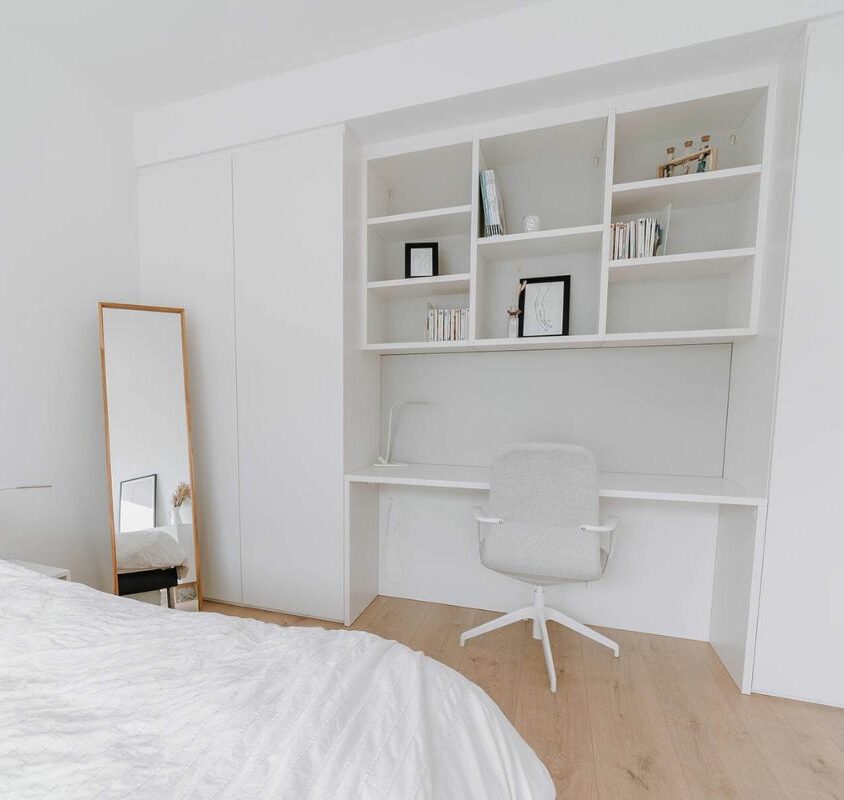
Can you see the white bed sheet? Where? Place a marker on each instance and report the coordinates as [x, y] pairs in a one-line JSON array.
[[104, 697]]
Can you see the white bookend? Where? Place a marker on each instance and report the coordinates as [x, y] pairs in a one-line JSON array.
[[499, 200], [485, 201]]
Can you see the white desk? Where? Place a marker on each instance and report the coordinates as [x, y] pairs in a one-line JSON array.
[[740, 536], [629, 485]]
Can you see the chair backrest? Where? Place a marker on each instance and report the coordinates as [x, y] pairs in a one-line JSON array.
[[545, 484]]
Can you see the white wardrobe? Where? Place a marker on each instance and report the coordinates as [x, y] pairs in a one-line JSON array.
[[254, 244]]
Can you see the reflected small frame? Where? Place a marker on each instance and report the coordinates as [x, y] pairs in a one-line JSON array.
[[137, 504]]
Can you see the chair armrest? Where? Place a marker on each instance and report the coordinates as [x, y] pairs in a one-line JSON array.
[[608, 527], [482, 517]]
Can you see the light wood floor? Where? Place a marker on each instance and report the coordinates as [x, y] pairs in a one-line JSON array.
[[664, 720]]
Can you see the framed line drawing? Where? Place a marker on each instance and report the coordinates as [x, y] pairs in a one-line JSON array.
[[544, 306]]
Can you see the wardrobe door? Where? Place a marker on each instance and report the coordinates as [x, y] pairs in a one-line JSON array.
[[289, 299], [185, 238], [800, 641]]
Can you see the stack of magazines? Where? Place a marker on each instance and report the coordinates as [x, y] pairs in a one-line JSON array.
[[447, 324], [493, 205], [638, 238]]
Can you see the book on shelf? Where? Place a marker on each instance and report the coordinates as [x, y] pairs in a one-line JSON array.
[[447, 324], [636, 238], [492, 204]]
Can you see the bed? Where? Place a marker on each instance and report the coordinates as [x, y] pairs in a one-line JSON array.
[[149, 560], [106, 697]]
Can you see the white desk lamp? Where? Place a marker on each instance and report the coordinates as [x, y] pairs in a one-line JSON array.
[[384, 461]]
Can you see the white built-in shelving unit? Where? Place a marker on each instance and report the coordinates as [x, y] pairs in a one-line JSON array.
[[578, 176]]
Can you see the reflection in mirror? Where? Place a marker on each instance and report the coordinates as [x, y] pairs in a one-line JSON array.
[[137, 504], [148, 449]]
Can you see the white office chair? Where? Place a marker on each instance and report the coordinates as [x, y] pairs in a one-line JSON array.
[[542, 529]]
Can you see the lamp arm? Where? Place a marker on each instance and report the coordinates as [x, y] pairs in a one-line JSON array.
[[389, 449], [386, 459]]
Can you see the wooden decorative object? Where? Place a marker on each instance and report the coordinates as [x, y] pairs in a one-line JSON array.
[[669, 166]]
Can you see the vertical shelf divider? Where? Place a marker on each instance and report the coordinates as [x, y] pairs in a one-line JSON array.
[[609, 159], [762, 214], [473, 240], [364, 246]]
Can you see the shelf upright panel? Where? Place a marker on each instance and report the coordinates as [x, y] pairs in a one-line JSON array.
[[609, 160], [762, 211], [364, 298], [473, 239]]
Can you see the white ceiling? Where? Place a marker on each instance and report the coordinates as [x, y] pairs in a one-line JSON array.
[[146, 53]]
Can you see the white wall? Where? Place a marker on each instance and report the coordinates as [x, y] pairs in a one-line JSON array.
[[67, 240], [648, 409], [800, 646], [531, 43]]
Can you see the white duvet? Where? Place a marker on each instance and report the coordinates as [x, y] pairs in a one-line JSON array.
[[150, 549], [104, 697]]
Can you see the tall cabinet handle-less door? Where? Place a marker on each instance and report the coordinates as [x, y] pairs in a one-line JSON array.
[[288, 257], [185, 238]]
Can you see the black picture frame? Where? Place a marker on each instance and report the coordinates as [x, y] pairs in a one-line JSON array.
[[409, 247], [151, 483], [561, 329]]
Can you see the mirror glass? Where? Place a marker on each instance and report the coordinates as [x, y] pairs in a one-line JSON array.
[[147, 412]]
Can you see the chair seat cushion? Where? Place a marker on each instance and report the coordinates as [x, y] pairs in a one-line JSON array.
[[543, 554]]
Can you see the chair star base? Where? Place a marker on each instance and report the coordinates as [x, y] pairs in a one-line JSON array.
[[540, 614]]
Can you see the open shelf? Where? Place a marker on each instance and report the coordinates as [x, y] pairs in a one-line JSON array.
[[684, 191], [422, 224], [421, 287], [386, 238], [674, 304], [735, 123], [540, 343], [557, 173], [497, 286], [534, 169], [716, 262], [397, 309], [439, 177], [398, 348], [699, 289], [649, 339], [541, 243]]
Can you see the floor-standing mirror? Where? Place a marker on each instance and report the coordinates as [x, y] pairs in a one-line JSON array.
[[149, 454]]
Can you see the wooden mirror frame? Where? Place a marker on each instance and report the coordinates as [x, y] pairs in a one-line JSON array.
[[189, 426]]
